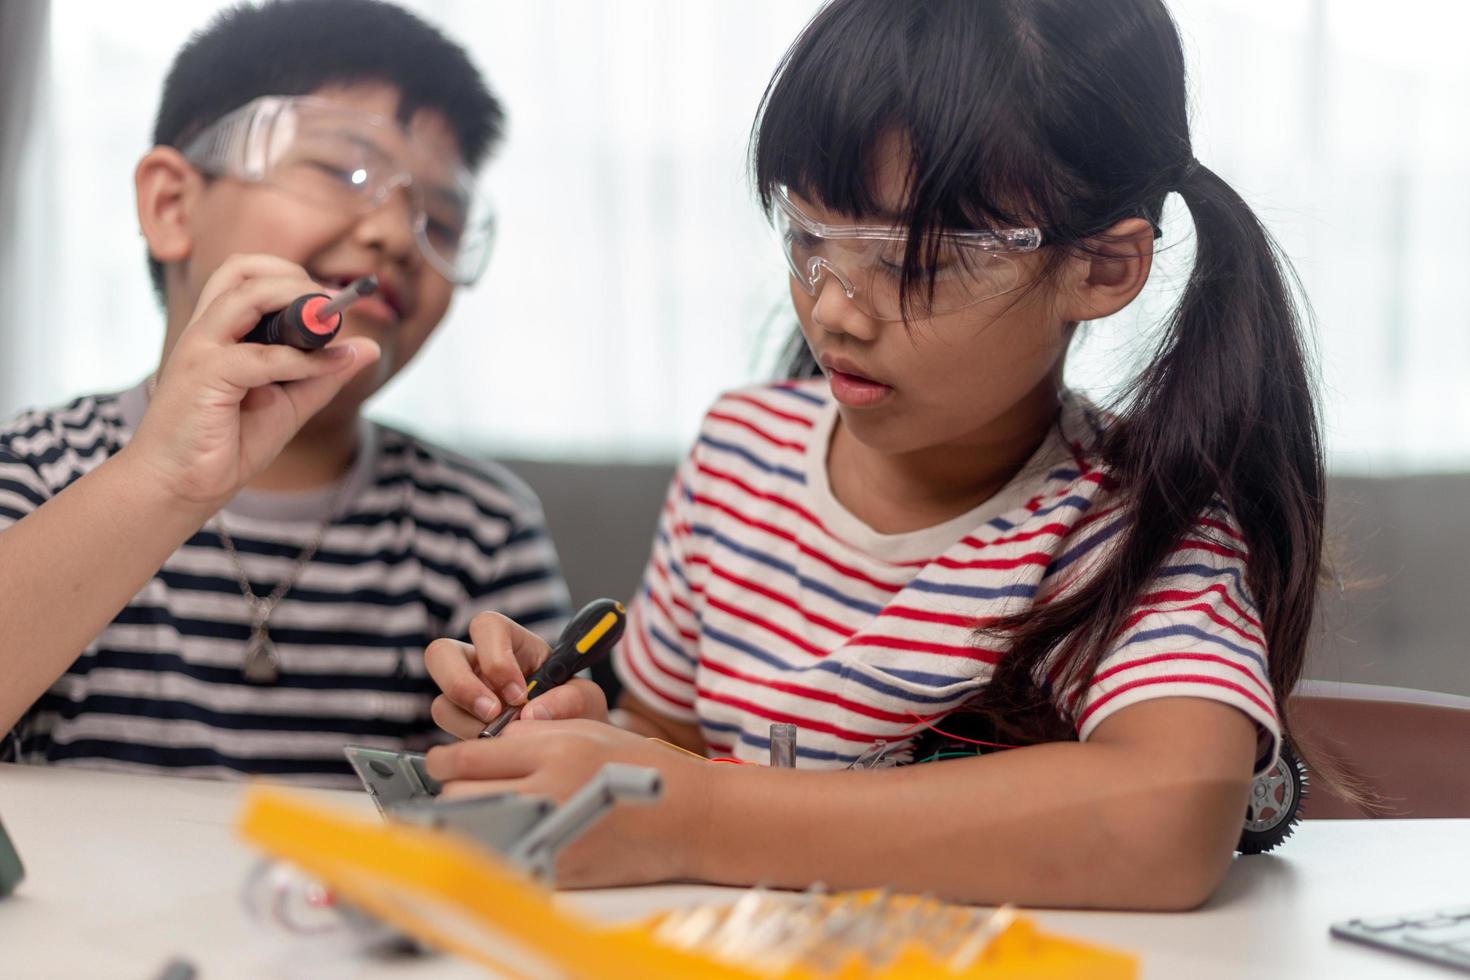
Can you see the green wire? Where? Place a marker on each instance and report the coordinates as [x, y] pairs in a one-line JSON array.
[[950, 755]]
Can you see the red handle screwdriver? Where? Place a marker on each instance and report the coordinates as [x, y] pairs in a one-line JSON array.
[[311, 321]]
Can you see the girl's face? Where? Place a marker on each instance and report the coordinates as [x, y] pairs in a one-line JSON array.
[[967, 378]]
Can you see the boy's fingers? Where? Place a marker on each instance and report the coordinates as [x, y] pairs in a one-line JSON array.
[[311, 395], [250, 366], [577, 698], [451, 666], [506, 653], [235, 312], [238, 268], [454, 719]]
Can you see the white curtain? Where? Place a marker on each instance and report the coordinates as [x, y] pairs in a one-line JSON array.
[[634, 278]]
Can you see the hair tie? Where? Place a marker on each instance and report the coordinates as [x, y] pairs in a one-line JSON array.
[[1187, 172]]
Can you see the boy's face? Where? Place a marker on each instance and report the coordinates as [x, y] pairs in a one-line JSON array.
[[334, 246]]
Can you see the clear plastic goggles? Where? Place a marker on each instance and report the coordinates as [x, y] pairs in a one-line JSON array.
[[352, 161], [867, 263]]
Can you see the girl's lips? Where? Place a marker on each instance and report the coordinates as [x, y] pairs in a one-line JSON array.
[[850, 387], [856, 391]]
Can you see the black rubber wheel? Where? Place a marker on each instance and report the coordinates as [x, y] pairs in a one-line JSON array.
[[1275, 805]]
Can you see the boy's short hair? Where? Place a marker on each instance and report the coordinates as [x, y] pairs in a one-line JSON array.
[[294, 47]]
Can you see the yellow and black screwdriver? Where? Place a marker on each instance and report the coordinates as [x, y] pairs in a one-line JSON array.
[[587, 639]]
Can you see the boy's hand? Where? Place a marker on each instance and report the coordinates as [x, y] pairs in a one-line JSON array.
[[222, 409], [481, 678]]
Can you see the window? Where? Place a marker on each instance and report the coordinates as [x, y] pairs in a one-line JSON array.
[[634, 278]]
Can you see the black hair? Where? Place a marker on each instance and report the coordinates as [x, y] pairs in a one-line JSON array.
[[294, 47], [1071, 115]]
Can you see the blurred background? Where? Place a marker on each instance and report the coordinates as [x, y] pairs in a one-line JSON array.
[[634, 278]]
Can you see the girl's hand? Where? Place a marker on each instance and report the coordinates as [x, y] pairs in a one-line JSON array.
[[480, 678], [223, 410], [634, 843]]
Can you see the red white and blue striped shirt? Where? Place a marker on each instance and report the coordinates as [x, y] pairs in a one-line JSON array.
[[766, 601]]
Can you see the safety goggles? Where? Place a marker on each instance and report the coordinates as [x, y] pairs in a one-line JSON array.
[[866, 261], [352, 162]]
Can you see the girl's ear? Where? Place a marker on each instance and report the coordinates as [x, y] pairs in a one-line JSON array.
[[1102, 280], [168, 190]]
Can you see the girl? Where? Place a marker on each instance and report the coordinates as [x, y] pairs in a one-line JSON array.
[[933, 529]]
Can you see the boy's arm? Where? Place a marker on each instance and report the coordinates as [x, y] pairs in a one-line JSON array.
[[222, 411], [69, 567]]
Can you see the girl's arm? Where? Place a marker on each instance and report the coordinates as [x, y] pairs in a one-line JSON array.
[[633, 715], [1145, 815]]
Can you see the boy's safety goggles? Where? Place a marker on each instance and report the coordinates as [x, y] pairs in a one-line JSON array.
[[352, 161], [867, 262]]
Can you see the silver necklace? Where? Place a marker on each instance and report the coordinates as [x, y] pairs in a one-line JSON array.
[[262, 664]]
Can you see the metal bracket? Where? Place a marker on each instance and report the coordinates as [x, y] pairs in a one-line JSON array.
[[527, 830]]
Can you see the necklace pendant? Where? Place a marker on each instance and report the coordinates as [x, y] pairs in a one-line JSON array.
[[262, 662]]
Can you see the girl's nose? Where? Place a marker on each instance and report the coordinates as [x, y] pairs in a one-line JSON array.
[[834, 310]]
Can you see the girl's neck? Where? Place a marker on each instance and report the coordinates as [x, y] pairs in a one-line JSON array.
[[905, 492]]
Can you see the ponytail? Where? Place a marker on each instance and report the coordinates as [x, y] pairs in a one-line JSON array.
[[1223, 416]]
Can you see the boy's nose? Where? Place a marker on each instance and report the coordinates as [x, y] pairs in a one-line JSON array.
[[388, 228]]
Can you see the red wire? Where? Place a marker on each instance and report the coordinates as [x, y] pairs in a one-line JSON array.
[[958, 738]]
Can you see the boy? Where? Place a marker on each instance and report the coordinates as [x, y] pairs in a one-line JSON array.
[[226, 570]]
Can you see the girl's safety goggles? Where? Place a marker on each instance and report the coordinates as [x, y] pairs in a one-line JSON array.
[[352, 161], [866, 261]]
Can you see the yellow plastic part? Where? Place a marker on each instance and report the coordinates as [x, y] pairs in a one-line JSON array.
[[454, 895], [459, 897]]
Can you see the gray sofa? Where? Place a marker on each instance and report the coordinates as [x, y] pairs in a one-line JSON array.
[[1401, 542]]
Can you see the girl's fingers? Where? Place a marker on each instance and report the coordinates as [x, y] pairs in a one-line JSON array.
[[451, 666], [490, 787], [486, 758], [577, 698], [506, 653], [454, 719]]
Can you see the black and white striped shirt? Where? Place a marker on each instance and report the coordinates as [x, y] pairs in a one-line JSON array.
[[420, 542]]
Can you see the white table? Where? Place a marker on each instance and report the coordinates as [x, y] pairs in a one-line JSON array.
[[124, 872]]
